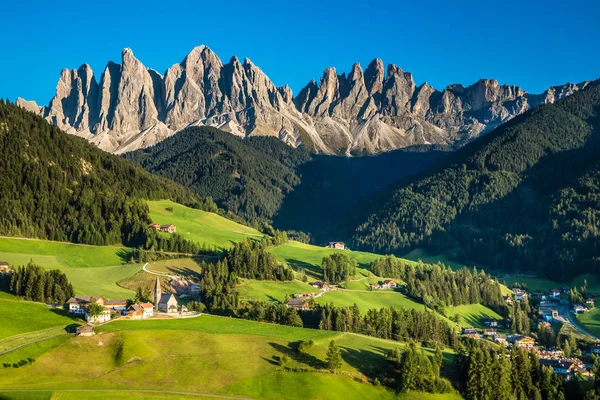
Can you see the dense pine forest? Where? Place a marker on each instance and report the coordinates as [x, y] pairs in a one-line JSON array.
[[262, 180], [525, 197], [248, 177], [59, 187]]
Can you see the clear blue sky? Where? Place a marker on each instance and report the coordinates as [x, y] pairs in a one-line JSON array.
[[533, 44]]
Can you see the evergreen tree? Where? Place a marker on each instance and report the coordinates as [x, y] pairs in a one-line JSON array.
[[333, 359]]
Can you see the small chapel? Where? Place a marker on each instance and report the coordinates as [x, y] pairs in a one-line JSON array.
[[164, 302]]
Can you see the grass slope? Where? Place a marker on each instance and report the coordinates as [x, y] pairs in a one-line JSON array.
[[271, 290], [201, 226], [309, 257], [26, 316], [366, 300], [203, 355], [93, 270], [473, 315]]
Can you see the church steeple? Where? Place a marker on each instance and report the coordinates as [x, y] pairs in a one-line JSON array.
[[157, 293]]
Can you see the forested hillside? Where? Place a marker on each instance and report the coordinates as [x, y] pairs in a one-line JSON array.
[[526, 197], [246, 177], [59, 187], [264, 180]]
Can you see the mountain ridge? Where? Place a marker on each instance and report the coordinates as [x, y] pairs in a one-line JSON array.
[[362, 112]]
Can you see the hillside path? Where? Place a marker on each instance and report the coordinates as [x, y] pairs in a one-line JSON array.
[[577, 325], [175, 277]]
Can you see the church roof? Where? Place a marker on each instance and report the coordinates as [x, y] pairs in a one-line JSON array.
[[165, 298]]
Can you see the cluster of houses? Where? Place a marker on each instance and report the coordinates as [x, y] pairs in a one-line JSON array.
[[387, 284], [552, 357], [546, 305], [169, 228], [299, 301], [163, 302]]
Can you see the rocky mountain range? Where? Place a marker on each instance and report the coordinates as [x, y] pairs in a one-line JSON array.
[[363, 112]]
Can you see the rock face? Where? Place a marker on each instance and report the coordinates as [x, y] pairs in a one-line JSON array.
[[366, 112]]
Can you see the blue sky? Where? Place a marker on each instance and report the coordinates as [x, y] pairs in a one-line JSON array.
[[533, 44]]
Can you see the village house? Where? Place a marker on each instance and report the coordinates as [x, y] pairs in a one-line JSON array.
[[470, 332], [164, 302], [297, 304], [552, 353], [589, 302], [4, 267], [560, 367], [521, 341], [116, 305], [388, 284], [520, 294], [84, 330], [544, 324], [336, 245], [508, 300], [554, 293], [323, 286], [169, 228], [500, 339], [99, 319], [79, 304], [302, 295], [489, 332], [183, 309], [140, 311], [492, 323], [579, 309]]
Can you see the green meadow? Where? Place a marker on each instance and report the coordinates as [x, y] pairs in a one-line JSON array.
[[473, 315], [201, 226], [204, 355], [309, 257], [93, 270], [590, 320], [271, 290], [366, 300], [22, 317]]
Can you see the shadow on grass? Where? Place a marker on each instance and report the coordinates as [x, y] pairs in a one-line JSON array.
[[372, 364], [310, 269], [291, 350], [125, 255]]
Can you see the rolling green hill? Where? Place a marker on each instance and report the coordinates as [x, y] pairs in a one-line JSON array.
[[169, 355], [201, 226], [525, 197], [93, 270]]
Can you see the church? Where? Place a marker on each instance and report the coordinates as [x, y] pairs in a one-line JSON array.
[[164, 302]]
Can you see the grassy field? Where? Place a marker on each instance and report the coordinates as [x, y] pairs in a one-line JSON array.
[[367, 300], [473, 315], [179, 266], [203, 355], [272, 291], [201, 226], [307, 256], [590, 320], [93, 270], [34, 350], [26, 316]]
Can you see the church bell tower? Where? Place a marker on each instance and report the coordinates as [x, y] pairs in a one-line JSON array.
[[157, 293]]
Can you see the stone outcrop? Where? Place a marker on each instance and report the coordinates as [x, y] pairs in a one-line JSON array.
[[368, 112]]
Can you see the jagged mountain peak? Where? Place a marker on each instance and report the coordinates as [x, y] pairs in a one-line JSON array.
[[367, 111]]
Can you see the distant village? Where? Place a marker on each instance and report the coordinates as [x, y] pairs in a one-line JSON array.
[[548, 313]]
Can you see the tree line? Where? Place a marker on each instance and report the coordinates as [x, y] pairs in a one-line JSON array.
[[438, 286], [338, 267], [34, 283]]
